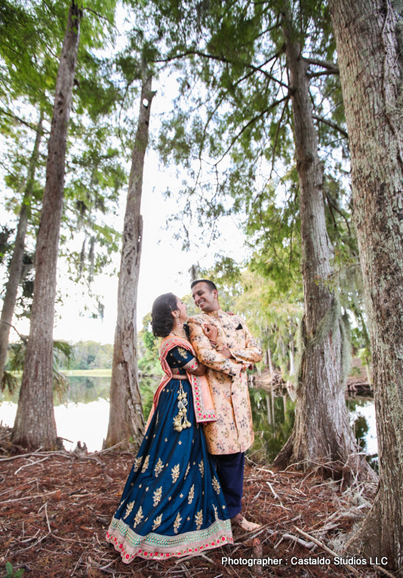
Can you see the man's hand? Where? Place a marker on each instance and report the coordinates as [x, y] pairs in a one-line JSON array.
[[211, 332], [225, 352]]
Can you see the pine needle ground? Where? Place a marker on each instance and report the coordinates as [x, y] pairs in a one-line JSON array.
[[55, 508]]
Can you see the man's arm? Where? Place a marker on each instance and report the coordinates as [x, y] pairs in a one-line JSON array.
[[207, 354], [252, 352]]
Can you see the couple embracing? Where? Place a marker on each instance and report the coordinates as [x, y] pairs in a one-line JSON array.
[[185, 486]]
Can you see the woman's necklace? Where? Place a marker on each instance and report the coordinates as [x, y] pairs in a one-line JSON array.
[[179, 334]]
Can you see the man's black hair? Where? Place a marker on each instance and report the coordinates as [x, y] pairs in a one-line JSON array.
[[210, 284]]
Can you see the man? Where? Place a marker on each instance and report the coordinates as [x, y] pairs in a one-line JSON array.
[[227, 359]]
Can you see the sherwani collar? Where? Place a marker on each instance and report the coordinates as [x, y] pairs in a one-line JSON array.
[[215, 313]]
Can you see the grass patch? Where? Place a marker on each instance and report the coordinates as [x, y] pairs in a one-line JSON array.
[[87, 372]]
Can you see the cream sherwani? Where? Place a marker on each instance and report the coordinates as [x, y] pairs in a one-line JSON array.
[[233, 431]]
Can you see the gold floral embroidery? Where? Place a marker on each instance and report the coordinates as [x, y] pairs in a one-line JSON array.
[[158, 468], [139, 517], [201, 468], [145, 465], [191, 494], [216, 485], [177, 522], [157, 496], [187, 469], [158, 417], [215, 512], [199, 519], [157, 522], [175, 473], [128, 509], [182, 352], [136, 464]]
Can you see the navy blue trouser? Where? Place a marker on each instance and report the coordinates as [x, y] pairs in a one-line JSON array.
[[229, 469]]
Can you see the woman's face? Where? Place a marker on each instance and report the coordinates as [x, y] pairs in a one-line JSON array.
[[181, 307]]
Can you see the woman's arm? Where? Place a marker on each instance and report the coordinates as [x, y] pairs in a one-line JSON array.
[[195, 367]]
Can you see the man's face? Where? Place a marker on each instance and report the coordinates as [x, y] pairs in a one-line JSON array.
[[205, 298]]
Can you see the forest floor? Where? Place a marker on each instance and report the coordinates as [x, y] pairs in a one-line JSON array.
[[55, 508]]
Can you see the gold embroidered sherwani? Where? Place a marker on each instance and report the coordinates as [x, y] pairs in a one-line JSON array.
[[233, 430]]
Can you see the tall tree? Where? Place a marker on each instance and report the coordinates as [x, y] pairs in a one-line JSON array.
[[255, 61], [369, 44], [126, 421], [35, 424], [16, 263], [322, 431], [94, 168]]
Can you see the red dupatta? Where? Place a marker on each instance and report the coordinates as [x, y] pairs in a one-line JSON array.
[[202, 400]]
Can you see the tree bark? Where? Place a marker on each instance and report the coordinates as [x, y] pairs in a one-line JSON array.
[[322, 432], [126, 420], [14, 274], [35, 424], [370, 58]]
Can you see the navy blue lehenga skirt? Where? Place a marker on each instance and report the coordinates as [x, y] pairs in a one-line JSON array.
[[172, 504]]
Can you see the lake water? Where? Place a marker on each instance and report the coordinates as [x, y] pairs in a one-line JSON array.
[[83, 416]]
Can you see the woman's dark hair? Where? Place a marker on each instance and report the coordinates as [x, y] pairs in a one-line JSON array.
[[162, 320]]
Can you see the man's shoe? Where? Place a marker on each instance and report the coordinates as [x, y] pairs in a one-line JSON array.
[[239, 520]]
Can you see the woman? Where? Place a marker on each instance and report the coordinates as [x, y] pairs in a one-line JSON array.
[[172, 504]]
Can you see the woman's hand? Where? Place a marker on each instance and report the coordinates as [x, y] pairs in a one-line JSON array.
[[211, 332], [199, 369]]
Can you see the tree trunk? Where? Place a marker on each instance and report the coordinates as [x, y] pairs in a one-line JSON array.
[[322, 432], [370, 59], [126, 421], [16, 264], [291, 349], [35, 424]]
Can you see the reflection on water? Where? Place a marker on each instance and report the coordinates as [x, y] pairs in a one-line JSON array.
[[83, 415], [362, 419], [273, 420]]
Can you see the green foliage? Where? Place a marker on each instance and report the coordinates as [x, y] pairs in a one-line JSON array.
[[95, 174], [91, 355], [273, 419], [11, 574], [5, 245], [148, 362], [62, 352], [271, 314]]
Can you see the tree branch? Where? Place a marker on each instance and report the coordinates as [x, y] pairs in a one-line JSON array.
[[322, 73], [23, 338], [24, 122], [331, 204], [225, 60], [277, 133], [100, 16], [322, 63], [254, 119], [331, 124]]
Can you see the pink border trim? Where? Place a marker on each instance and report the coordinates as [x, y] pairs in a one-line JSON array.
[[144, 550]]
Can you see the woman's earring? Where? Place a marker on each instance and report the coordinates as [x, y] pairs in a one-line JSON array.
[[177, 321]]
